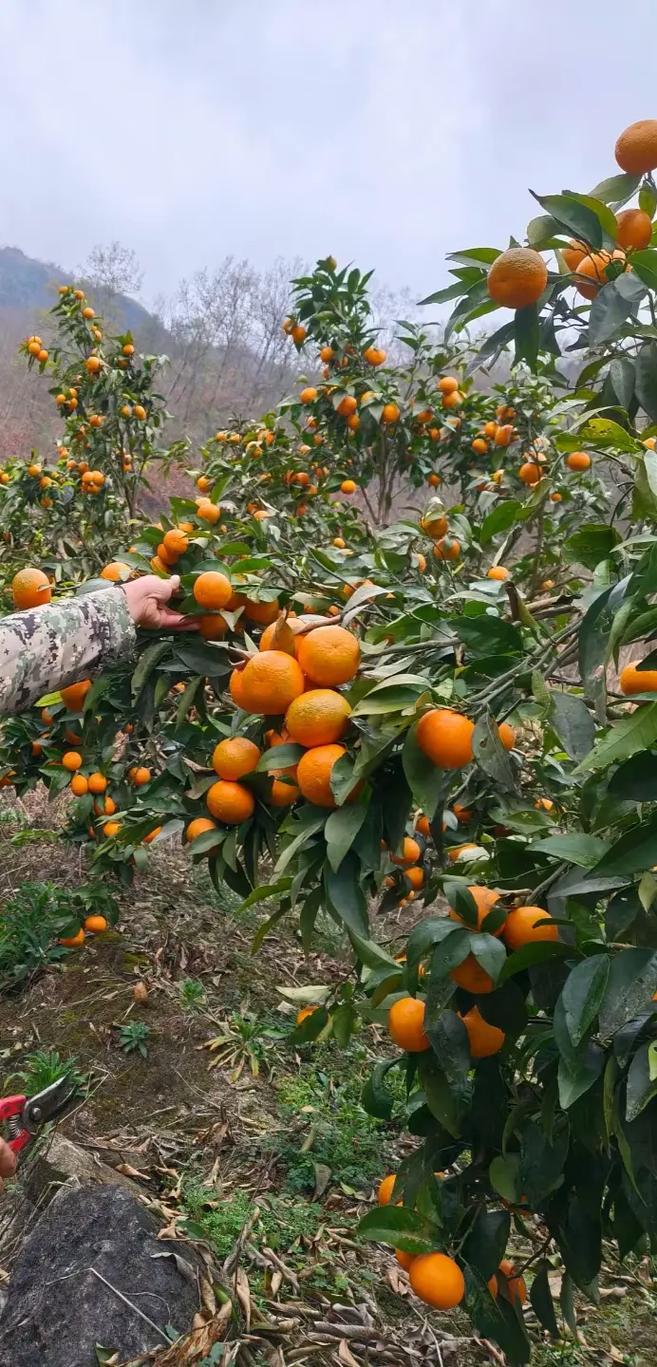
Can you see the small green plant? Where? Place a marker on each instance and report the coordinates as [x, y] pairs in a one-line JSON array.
[[192, 995], [244, 1041], [36, 917], [44, 1067], [133, 1038]]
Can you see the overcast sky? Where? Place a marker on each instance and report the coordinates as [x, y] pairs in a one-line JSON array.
[[385, 133]]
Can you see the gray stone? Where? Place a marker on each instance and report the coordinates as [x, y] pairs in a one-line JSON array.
[[58, 1308]]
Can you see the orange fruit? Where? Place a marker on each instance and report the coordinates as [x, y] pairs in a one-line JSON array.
[[314, 774], [529, 472], [415, 876], [308, 395], [517, 277], [554, 498], [347, 406], [208, 511], [235, 757], [109, 806], [212, 590], [271, 680], [199, 826], [578, 460], [452, 400], [390, 414], [636, 147], [93, 364], [410, 853], [435, 525], [203, 483], [448, 384], [503, 435], [152, 835], [329, 655], [236, 688], [484, 1040], [298, 333], [492, 1285], [74, 695], [545, 804], [385, 1189], [116, 572], [139, 412], [211, 626], [525, 925], [497, 572], [79, 785], [374, 355], [447, 548], [326, 354], [317, 717], [422, 825], [507, 735], [231, 803], [406, 1025], [72, 941], [472, 977], [513, 1288], [175, 543], [261, 613], [282, 793], [96, 783], [485, 899], [404, 1259], [141, 776], [633, 229], [96, 924], [72, 760], [437, 1280], [30, 588], [445, 737], [594, 267], [573, 253], [479, 446], [635, 680], [348, 486]]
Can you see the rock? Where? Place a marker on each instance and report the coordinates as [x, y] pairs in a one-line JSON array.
[[58, 1308], [60, 1161]]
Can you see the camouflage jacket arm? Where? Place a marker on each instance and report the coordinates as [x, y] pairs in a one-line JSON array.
[[46, 648]]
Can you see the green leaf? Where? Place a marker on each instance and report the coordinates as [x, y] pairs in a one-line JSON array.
[[604, 215], [487, 635], [485, 1243], [632, 981], [341, 830], [567, 1292], [582, 995], [504, 515], [645, 264], [504, 1177], [641, 1087], [573, 724], [449, 1041], [591, 544], [489, 953], [577, 848], [621, 374], [495, 1318], [491, 755], [441, 1096], [376, 1099], [426, 781], [279, 757], [536, 953], [400, 1227], [635, 852], [617, 189], [346, 896], [604, 432], [611, 307], [624, 738], [646, 378], [526, 334], [540, 1296], [636, 779], [576, 1076], [577, 218], [648, 200], [541, 230], [148, 662]]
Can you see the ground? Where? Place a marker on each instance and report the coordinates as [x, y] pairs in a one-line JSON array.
[[258, 1149]]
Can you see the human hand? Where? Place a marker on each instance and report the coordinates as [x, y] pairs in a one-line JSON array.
[[148, 599], [7, 1161]]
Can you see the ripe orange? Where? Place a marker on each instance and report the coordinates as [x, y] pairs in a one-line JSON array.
[[485, 899], [472, 977], [152, 835], [422, 825], [93, 364], [555, 497], [74, 695], [415, 877], [271, 680], [447, 548], [282, 793], [348, 486], [347, 406], [635, 680], [530, 472], [199, 826], [326, 354], [406, 1025], [374, 355], [517, 277], [116, 572], [175, 542], [329, 655], [445, 737], [448, 384], [211, 626], [479, 446], [514, 1288], [390, 414], [212, 590], [636, 147], [385, 1189], [96, 783], [525, 925], [79, 785], [484, 1040], [141, 776], [208, 511], [497, 572], [410, 853], [503, 434], [437, 1280], [298, 333], [72, 941], [262, 613], [573, 253], [308, 395], [235, 757], [578, 460], [507, 735], [317, 717], [30, 588], [633, 229], [404, 1259], [72, 760], [203, 483], [594, 267], [453, 400], [314, 774], [434, 524], [231, 803], [96, 924], [139, 412], [236, 688]]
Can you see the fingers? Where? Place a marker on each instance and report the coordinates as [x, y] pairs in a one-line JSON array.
[[7, 1160], [176, 621]]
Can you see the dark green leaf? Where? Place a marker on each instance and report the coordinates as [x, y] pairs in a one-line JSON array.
[[542, 1304], [400, 1227], [641, 1088], [645, 264], [616, 190], [449, 1041], [441, 1096], [582, 995], [591, 544], [485, 1244], [632, 981], [573, 724], [426, 782], [636, 779], [635, 852], [376, 1099], [577, 1075], [496, 1319], [578, 848], [526, 334], [346, 895], [503, 515], [624, 738], [491, 755], [341, 830], [645, 367], [504, 1176], [577, 218], [611, 307]]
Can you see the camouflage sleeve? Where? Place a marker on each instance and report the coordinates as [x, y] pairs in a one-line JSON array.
[[46, 648]]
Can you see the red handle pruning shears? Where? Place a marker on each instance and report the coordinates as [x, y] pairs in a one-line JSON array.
[[25, 1115]]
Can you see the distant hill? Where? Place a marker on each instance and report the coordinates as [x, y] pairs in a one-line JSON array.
[[28, 284]]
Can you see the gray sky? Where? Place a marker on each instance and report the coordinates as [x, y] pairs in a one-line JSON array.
[[387, 133]]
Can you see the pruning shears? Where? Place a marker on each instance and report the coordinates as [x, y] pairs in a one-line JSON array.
[[25, 1115]]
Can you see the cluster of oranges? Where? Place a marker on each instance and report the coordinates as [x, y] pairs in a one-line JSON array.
[[34, 347]]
